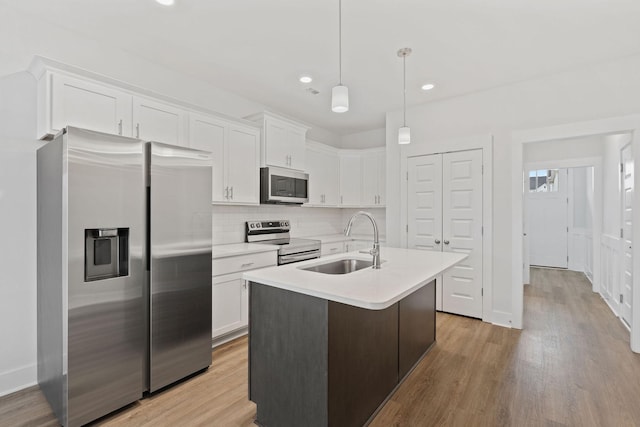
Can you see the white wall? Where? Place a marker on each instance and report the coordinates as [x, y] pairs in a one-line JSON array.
[[369, 139], [18, 231], [566, 149], [598, 91]]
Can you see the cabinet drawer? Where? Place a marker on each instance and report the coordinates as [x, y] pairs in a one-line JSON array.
[[332, 248], [234, 264]]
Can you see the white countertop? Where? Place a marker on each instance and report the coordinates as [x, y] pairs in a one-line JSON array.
[[402, 272], [234, 249]]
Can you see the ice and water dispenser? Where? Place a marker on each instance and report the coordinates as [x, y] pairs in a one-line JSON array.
[[106, 253]]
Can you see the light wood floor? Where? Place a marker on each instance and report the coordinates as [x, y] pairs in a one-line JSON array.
[[570, 365]]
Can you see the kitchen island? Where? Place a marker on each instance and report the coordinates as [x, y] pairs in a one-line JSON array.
[[329, 349]]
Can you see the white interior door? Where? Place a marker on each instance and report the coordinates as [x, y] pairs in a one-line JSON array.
[[424, 226], [548, 213], [462, 231], [444, 208], [627, 239]]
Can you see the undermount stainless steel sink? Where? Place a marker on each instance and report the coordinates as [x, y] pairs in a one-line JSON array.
[[341, 266]]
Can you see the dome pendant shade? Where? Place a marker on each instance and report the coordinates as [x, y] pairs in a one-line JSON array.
[[340, 99], [404, 135]]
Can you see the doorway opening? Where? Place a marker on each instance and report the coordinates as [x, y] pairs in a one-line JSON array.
[[577, 208]]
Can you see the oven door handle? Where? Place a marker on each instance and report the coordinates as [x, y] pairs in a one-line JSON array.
[[288, 259]]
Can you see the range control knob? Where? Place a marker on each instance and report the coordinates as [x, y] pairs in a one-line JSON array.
[[252, 225], [258, 225]]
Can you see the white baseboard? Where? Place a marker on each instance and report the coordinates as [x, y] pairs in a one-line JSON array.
[[18, 379], [501, 318], [215, 342]]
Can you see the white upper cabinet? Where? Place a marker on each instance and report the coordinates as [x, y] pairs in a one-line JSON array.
[[283, 141], [68, 101], [235, 150], [350, 179], [323, 167], [208, 134], [158, 121], [373, 178], [243, 164]]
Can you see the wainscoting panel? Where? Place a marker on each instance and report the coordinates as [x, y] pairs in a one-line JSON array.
[[610, 270]]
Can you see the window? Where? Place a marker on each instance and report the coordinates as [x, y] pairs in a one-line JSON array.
[[543, 181]]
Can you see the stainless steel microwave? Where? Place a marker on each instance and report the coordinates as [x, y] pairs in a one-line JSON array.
[[283, 186]]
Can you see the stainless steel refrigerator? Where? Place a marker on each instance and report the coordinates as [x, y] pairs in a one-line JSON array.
[[124, 270]]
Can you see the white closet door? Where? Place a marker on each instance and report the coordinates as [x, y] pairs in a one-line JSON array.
[[425, 202], [424, 226], [462, 231], [627, 230]]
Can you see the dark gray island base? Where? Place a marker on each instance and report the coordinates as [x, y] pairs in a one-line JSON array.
[[315, 362]]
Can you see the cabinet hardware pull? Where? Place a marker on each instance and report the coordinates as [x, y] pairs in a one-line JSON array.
[[246, 265], [232, 192], [226, 192], [244, 284], [120, 127], [437, 242], [446, 242], [137, 130]]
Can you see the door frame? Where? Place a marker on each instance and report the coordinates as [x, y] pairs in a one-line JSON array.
[[612, 125], [485, 143]]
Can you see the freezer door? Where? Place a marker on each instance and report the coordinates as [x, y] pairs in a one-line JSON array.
[[106, 272], [180, 262]]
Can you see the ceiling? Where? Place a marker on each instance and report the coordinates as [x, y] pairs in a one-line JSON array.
[[259, 48]]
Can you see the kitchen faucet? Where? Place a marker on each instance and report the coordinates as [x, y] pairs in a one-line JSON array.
[[376, 244]]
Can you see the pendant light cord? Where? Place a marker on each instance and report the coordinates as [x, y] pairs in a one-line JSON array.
[[404, 90], [340, 42]]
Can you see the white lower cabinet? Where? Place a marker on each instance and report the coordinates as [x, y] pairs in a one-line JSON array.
[[230, 293], [332, 248], [230, 304], [357, 245]]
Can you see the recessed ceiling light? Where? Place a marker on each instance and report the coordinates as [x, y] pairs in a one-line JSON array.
[[306, 79], [166, 2], [428, 86]]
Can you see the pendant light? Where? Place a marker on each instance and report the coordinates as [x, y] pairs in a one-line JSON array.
[[404, 133], [340, 93]]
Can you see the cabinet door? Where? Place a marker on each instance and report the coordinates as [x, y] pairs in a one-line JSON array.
[[370, 173], [87, 105], [296, 143], [315, 169], [350, 180], [157, 121], [373, 179], [331, 180], [208, 134], [382, 179], [276, 148], [243, 164], [229, 304]]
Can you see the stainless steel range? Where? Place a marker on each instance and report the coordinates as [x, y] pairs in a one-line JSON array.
[[277, 233]]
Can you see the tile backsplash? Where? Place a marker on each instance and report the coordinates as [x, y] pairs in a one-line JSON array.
[[229, 221]]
